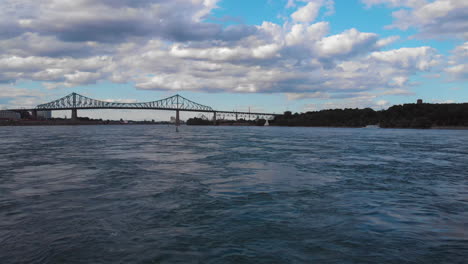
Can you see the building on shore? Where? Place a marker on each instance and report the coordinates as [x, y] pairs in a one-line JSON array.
[[9, 115], [44, 114]]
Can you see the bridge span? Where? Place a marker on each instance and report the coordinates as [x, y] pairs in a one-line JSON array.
[[177, 103]]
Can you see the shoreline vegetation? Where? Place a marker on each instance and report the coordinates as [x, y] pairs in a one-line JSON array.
[[421, 115], [80, 121]]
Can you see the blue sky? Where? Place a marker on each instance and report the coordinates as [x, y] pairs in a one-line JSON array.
[[269, 55]]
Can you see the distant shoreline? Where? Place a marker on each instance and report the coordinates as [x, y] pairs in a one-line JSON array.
[[115, 123], [75, 123], [451, 127]]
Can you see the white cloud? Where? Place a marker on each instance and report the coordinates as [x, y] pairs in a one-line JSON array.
[[126, 101], [167, 45], [301, 34], [11, 92], [80, 77], [19, 97], [357, 102], [348, 43], [307, 13], [420, 58], [290, 4], [72, 71], [443, 101], [434, 19], [457, 68], [395, 3], [227, 53], [387, 41], [459, 71]]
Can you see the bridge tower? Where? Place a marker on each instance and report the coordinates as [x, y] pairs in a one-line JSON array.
[[177, 120], [74, 115], [34, 114], [75, 102]]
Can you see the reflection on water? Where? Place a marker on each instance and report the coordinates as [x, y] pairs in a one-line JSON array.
[[144, 194]]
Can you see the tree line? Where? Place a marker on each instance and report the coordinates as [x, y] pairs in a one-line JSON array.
[[397, 116]]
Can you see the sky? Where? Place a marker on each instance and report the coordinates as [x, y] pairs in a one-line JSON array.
[[266, 55]]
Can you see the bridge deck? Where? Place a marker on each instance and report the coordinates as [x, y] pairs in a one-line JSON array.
[[76, 101], [140, 108]]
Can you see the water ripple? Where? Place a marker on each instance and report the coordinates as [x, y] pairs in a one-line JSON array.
[[144, 194]]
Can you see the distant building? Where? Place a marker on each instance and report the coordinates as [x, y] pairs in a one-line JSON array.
[[44, 114], [9, 115], [420, 101]]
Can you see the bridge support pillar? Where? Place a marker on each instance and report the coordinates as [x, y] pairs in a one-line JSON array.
[[34, 114], [74, 116], [214, 118], [236, 117], [177, 120]]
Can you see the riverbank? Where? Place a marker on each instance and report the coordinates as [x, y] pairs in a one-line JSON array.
[[73, 123], [451, 127], [421, 115], [84, 123]]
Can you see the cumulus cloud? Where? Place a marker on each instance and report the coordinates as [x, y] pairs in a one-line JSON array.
[[457, 68], [169, 45], [117, 21], [71, 71], [395, 3], [33, 44], [364, 101], [415, 59], [433, 19], [308, 13], [346, 44], [19, 97], [126, 101]]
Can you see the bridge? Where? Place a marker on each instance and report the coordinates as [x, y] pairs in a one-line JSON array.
[[177, 103]]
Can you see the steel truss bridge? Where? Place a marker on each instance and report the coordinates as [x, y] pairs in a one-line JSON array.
[[75, 102]]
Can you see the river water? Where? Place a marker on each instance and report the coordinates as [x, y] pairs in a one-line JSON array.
[[145, 194]]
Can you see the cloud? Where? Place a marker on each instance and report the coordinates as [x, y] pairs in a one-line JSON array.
[[293, 59], [435, 19], [307, 13], [125, 101], [415, 59], [347, 44], [290, 4], [443, 101], [300, 34], [19, 97], [32, 44], [12, 92], [169, 46], [70, 71], [358, 102], [395, 3], [108, 21], [457, 68], [227, 53]]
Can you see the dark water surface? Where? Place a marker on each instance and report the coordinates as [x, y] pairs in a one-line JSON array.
[[144, 194]]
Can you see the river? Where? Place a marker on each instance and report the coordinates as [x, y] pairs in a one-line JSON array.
[[145, 194]]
